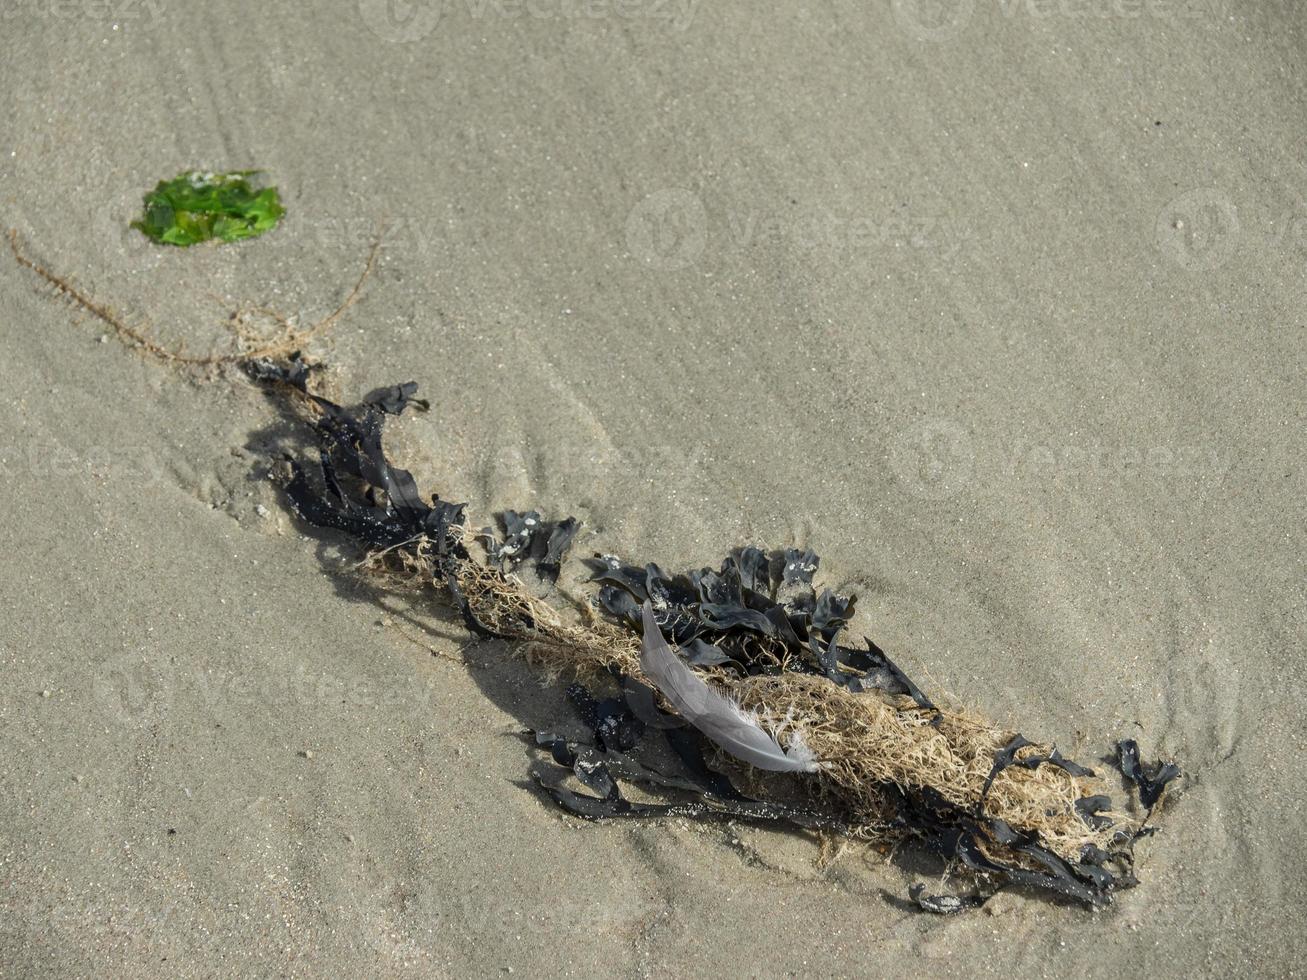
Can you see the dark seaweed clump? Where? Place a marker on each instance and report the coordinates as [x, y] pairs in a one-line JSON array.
[[757, 614]]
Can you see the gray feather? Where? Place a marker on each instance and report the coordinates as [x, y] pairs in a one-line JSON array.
[[717, 716]]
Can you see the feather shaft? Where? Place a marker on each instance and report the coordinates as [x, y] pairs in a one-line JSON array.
[[714, 714]]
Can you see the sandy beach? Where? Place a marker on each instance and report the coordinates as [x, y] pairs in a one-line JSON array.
[[998, 306]]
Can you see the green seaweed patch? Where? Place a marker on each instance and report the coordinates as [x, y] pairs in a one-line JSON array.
[[196, 206]]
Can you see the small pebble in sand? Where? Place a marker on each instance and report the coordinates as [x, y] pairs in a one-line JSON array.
[[47, 693], [306, 753], [262, 511]]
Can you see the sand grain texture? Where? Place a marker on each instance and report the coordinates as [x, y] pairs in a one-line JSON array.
[[1000, 312]]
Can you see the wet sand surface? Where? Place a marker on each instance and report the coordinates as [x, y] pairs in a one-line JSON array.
[[997, 306]]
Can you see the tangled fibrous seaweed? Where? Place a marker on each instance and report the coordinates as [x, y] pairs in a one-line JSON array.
[[247, 344], [886, 760]]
